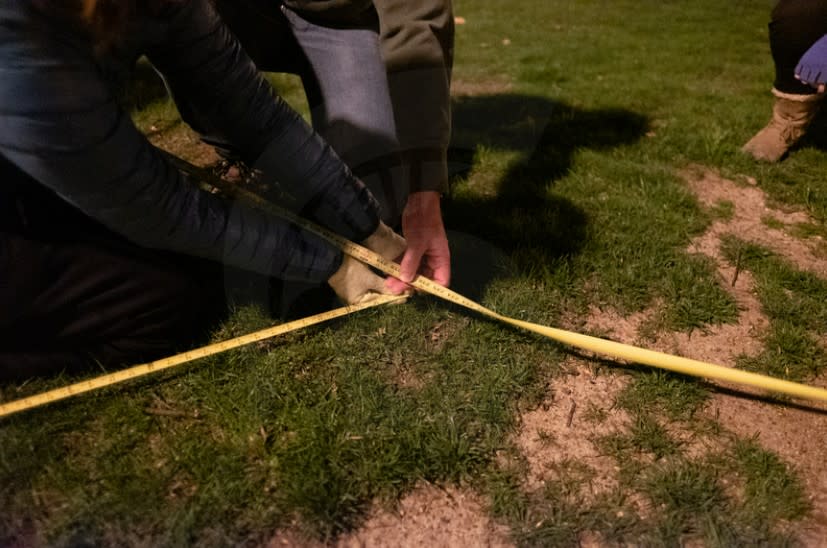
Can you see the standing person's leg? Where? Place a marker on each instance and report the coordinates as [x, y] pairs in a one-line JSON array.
[[347, 89], [73, 294], [346, 85], [345, 82], [794, 26]]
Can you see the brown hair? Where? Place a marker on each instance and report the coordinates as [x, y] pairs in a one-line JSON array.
[[105, 19], [88, 9]]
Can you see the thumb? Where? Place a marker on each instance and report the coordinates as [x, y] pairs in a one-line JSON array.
[[410, 263]]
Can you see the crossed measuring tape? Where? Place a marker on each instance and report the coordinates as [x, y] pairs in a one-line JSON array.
[[597, 345]]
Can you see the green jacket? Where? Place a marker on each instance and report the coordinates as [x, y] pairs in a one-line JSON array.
[[417, 39]]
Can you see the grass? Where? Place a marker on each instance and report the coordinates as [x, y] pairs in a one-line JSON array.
[[794, 301], [566, 195]]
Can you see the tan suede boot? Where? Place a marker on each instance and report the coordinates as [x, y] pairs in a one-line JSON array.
[[791, 114]]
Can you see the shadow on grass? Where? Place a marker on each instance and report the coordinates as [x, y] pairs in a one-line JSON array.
[[520, 213]]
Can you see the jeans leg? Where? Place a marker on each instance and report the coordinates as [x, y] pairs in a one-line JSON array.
[[347, 88]]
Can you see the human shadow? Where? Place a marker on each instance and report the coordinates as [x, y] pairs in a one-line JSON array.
[[518, 212]]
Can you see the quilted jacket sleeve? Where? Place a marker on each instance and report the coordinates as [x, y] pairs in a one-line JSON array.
[[60, 123]]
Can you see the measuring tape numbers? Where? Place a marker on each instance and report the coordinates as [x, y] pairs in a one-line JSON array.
[[184, 357], [597, 345]]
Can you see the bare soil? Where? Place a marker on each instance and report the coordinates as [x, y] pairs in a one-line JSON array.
[[429, 517], [560, 430], [563, 428], [796, 432]]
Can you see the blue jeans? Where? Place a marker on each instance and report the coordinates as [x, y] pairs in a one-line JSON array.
[[346, 85], [344, 78]]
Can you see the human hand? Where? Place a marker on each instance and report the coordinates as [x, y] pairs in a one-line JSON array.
[[386, 242], [355, 282], [812, 67], [427, 253]]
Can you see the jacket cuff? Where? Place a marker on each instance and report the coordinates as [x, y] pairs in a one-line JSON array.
[[428, 168]]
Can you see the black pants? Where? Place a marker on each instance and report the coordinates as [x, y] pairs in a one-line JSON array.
[[72, 293], [794, 26]]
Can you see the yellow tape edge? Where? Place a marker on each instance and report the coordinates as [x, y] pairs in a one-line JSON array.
[[605, 347], [677, 364], [597, 345], [159, 365]]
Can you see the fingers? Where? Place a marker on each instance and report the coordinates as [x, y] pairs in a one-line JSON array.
[[811, 78], [408, 270], [439, 260], [433, 264], [409, 266], [396, 287], [377, 285], [441, 268]]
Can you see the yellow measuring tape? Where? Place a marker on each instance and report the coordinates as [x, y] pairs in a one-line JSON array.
[[594, 344], [166, 363], [605, 347]]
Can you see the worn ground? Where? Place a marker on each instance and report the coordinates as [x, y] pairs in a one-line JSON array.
[[557, 432]]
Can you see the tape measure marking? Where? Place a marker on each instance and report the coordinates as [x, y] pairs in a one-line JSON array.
[[191, 355], [631, 353], [613, 349]]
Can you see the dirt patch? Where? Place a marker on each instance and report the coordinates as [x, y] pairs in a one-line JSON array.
[[796, 434], [430, 516], [580, 408], [747, 221]]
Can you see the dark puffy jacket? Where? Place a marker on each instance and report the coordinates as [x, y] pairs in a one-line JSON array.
[[60, 124]]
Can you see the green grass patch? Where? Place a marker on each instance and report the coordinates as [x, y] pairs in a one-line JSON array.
[[678, 396], [565, 197], [723, 210], [794, 301]]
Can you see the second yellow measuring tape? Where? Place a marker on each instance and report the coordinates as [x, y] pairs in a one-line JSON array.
[[605, 347]]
